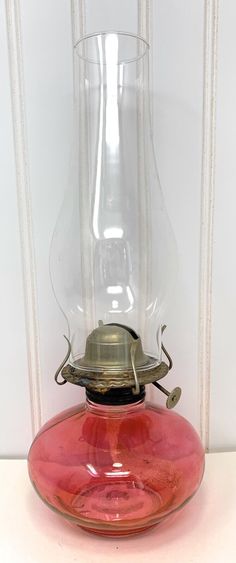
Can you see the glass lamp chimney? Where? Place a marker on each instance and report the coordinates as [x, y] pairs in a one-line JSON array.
[[113, 255]]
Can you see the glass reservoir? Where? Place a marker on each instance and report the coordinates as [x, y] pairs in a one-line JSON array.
[[115, 465]]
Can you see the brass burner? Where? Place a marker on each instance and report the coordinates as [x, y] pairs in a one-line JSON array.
[[114, 358]]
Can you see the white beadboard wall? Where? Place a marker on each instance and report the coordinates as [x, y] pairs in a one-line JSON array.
[[15, 411], [194, 121], [177, 77]]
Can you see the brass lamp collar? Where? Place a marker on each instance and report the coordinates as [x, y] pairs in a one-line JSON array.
[[114, 358]]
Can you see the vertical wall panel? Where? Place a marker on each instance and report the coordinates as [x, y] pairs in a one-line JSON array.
[[222, 397], [177, 52], [15, 419], [207, 213], [48, 72]]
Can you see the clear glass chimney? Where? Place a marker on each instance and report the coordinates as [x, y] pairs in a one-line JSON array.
[[113, 257]]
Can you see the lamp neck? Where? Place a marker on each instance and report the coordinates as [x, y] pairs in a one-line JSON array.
[[114, 411], [116, 397]]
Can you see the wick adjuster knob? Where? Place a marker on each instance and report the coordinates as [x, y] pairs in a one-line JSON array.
[[173, 396]]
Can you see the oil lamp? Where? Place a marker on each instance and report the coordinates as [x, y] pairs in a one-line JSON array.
[[115, 465]]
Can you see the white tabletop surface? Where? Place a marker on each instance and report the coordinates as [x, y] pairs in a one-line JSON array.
[[205, 531]]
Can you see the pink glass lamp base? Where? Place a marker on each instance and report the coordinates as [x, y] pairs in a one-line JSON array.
[[116, 470]]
